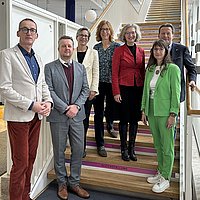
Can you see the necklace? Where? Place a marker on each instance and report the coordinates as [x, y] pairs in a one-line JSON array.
[[158, 69]]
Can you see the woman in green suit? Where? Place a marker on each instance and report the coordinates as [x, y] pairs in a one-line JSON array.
[[160, 103]]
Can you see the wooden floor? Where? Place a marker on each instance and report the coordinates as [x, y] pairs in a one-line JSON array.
[[117, 183], [2, 122]]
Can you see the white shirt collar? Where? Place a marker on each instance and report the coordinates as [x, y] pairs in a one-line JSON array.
[[64, 62], [170, 47]]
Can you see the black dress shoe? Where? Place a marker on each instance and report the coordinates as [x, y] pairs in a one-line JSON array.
[[102, 151], [113, 133], [84, 154], [133, 156], [125, 155]]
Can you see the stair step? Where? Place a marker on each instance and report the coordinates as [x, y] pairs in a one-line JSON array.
[[167, 18], [158, 17], [121, 183], [160, 12], [144, 142], [144, 166], [171, 10], [156, 24], [157, 8]]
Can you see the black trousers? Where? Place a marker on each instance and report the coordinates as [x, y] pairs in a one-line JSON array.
[[88, 106], [130, 113], [103, 106], [130, 107]]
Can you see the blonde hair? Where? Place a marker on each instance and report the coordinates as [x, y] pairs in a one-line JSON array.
[[124, 29]]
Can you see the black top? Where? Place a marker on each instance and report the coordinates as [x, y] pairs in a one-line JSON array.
[[81, 56], [133, 50]]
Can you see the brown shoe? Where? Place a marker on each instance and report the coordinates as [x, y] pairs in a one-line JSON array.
[[62, 192], [80, 192]]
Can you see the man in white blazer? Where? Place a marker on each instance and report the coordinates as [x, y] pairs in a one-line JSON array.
[[67, 81], [27, 99], [90, 59]]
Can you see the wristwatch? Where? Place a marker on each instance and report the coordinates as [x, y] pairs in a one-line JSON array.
[[173, 114], [78, 107]]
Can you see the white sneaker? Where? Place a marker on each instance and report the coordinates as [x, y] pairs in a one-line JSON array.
[[154, 179], [161, 186]]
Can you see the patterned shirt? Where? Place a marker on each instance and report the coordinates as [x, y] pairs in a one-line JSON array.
[[105, 61]]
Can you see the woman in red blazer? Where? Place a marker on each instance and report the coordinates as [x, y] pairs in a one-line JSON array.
[[128, 72]]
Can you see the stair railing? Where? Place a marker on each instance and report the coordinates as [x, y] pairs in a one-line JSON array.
[[190, 109]]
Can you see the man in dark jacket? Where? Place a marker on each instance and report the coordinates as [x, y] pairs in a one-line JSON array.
[[180, 55]]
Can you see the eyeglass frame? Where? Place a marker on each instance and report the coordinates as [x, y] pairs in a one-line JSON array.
[[105, 29], [82, 35], [130, 33], [158, 49], [26, 30]]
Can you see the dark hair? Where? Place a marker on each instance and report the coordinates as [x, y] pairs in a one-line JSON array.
[[83, 29], [167, 25], [27, 19], [98, 35], [65, 37], [152, 60], [123, 32]]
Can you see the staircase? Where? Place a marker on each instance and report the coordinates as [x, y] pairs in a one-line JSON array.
[[160, 10], [112, 174]]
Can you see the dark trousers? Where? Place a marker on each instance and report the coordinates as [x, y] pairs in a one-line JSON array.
[[88, 106], [130, 112], [24, 137], [105, 95]]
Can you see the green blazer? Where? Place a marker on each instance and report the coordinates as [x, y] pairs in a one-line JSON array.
[[167, 91]]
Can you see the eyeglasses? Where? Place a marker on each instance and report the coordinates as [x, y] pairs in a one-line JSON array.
[[81, 35], [158, 49], [26, 30], [130, 33], [105, 29]]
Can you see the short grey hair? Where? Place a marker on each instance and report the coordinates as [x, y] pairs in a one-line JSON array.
[[124, 29], [83, 29]]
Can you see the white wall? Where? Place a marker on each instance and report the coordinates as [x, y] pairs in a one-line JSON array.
[[50, 28], [121, 12]]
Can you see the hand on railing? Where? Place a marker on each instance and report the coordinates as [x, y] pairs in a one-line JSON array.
[[192, 85], [189, 88]]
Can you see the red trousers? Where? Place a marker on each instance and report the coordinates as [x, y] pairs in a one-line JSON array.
[[24, 137]]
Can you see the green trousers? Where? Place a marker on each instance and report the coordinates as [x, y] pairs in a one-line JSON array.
[[163, 142]]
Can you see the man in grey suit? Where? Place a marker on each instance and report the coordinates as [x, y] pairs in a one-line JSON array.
[[27, 99], [67, 81]]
